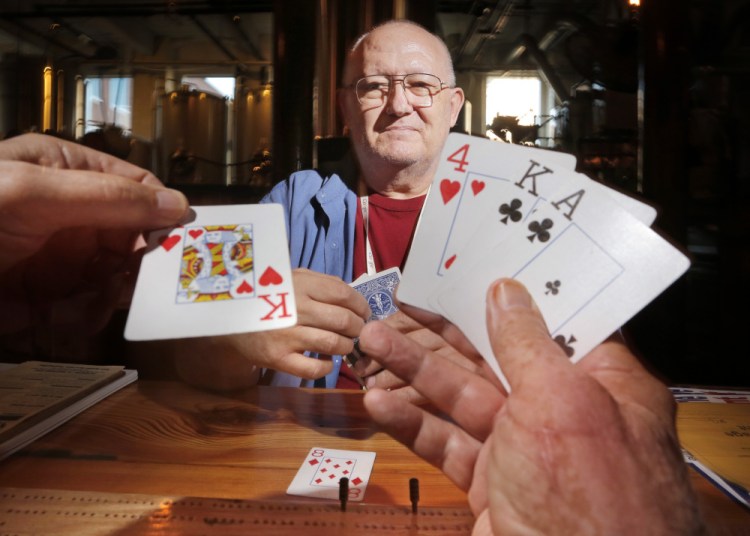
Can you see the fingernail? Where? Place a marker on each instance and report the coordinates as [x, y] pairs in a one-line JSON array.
[[508, 294], [171, 201]]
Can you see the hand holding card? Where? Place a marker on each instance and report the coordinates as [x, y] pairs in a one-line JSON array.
[[226, 271]]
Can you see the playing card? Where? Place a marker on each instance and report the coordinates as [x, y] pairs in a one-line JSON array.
[[587, 262], [319, 474], [494, 229], [475, 177], [378, 289], [225, 271]]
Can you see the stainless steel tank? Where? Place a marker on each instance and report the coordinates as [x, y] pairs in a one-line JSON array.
[[193, 141]]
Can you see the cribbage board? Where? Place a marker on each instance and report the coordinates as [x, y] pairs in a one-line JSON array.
[[31, 511]]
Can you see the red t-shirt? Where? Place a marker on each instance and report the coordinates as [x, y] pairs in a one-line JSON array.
[[390, 231]]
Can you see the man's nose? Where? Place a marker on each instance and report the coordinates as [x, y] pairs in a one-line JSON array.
[[398, 99]]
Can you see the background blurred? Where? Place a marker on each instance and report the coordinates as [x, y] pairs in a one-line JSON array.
[[222, 99]]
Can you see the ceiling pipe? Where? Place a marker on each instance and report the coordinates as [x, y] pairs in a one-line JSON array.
[[142, 10], [529, 45], [474, 28], [215, 40], [25, 31], [500, 23], [563, 28], [245, 39]]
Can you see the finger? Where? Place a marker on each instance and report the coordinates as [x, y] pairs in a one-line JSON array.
[[302, 366], [439, 442], [466, 397], [402, 321], [442, 327], [383, 379], [517, 331], [365, 366], [321, 341], [330, 290], [42, 200], [53, 152], [335, 320]]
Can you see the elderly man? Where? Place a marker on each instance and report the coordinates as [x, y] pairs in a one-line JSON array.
[[399, 102]]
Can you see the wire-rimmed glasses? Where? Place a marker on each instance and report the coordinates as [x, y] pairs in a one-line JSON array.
[[419, 88]]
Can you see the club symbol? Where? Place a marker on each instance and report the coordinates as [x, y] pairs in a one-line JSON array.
[[511, 211], [540, 230], [566, 345], [553, 287]]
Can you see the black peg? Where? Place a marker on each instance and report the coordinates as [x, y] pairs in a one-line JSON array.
[[343, 492], [414, 494]]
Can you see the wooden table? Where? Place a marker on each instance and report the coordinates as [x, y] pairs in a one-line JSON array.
[[168, 442]]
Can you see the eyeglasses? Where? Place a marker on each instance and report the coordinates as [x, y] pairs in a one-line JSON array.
[[418, 87]]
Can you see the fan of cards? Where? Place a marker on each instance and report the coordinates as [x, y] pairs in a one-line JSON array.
[[585, 252]]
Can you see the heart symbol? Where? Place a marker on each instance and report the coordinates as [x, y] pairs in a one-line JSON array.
[[477, 186], [245, 288], [270, 277], [168, 242], [449, 189], [449, 262], [195, 233]]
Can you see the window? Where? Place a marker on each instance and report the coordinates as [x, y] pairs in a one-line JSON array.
[[514, 96], [108, 102], [222, 86]]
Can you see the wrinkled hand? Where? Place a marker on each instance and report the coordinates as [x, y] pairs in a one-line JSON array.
[[330, 314], [433, 333], [589, 448], [70, 219]]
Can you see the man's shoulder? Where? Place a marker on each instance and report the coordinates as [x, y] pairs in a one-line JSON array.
[[309, 183]]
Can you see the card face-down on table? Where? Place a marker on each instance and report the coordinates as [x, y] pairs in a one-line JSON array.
[[225, 271]]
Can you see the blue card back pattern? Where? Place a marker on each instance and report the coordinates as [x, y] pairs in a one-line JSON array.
[[379, 292]]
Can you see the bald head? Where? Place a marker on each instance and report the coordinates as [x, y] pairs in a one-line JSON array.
[[397, 140], [411, 35]]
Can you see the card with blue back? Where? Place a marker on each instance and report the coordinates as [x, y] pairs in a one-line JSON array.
[[379, 290]]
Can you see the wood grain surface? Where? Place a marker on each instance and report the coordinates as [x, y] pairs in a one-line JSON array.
[[164, 439]]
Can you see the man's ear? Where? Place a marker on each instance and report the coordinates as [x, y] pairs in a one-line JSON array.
[[457, 101], [340, 96]]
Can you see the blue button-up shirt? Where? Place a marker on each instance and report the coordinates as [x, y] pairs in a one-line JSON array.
[[320, 217]]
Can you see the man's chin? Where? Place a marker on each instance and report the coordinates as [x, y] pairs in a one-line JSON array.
[[399, 158], [401, 151]]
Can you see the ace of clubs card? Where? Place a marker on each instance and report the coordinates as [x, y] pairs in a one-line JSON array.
[[589, 264], [225, 271]]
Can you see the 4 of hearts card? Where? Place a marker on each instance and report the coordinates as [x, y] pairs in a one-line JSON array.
[[225, 271]]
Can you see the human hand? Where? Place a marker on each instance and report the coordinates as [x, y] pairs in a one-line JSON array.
[[330, 314], [432, 332], [70, 219], [589, 448]]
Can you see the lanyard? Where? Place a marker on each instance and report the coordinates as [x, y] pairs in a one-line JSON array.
[[364, 203]]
